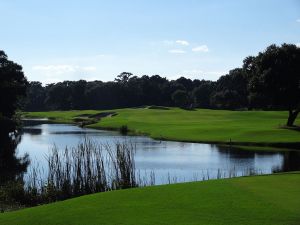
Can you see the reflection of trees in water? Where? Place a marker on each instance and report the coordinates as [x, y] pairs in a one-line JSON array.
[[291, 162], [291, 159], [238, 157], [12, 169], [31, 131], [235, 153]]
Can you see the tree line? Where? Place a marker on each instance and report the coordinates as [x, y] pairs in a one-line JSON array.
[[269, 81], [229, 92]]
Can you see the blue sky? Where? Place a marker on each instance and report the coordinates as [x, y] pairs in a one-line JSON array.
[[97, 40]]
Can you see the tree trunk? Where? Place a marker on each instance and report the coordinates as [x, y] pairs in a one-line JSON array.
[[292, 117]]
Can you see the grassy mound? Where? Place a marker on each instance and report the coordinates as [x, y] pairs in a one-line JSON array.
[[273, 199]]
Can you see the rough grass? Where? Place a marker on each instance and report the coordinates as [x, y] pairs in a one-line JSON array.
[[272, 199], [200, 125]]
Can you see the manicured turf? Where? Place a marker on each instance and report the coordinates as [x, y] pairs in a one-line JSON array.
[[200, 125], [263, 200]]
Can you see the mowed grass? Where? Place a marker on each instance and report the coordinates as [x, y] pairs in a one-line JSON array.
[[200, 125], [60, 116], [264, 200]]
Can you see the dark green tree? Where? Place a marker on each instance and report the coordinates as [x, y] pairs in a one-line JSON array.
[[78, 95], [59, 96], [186, 83], [12, 168], [231, 90], [35, 96], [201, 94], [180, 98], [275, 77], [123, 77], [13, 85]]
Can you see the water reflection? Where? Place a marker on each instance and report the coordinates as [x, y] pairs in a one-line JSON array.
[[291, 162], [12, 167], [12, 170], [183, 161], [32, 131]]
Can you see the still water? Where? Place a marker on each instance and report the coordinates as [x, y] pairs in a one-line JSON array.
[[170, 161]]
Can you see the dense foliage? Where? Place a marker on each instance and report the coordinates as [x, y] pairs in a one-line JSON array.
[[126, 91], [12, 87], [274, 79], [270, 80], [136, 91]]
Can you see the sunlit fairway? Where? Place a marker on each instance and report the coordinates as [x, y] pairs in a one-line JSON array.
[[131, 112], [201, 125], [272, 199]]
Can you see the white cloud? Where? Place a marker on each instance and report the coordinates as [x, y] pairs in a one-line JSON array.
[[201, 48], [298, 45], [183, 42], [179, 42], [176, 51], [59, 72], [62, 68], [58, 69], [298, 20]]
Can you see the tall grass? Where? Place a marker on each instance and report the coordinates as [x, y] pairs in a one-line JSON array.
[[87, 168]]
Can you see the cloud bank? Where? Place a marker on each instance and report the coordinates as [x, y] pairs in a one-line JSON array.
[[182, 42], [177, 51], [201, 48]]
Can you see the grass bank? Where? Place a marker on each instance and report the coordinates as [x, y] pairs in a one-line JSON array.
[[272, 199], [202, 125]]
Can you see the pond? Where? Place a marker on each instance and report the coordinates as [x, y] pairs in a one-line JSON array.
[[170, 161]]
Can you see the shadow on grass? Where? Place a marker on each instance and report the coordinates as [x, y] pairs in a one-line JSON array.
[[98, 115], [296, 128], [158, 107]]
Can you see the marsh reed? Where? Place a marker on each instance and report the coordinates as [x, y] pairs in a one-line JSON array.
[[87, 168]]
